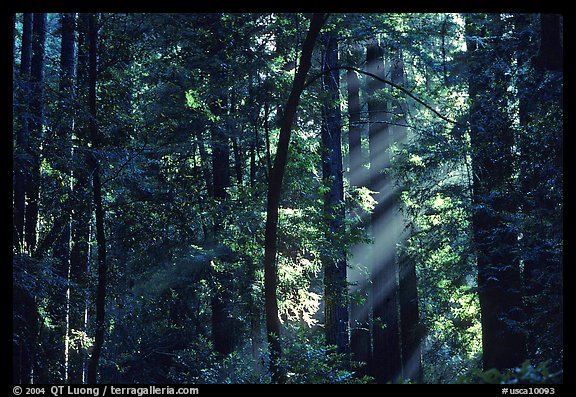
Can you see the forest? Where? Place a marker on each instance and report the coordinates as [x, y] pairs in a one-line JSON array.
[[247, 198]]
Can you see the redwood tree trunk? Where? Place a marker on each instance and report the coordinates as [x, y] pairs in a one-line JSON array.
[[386, 359], [542, 270], [407, 282], [63, 146], [360, 343], [35, 128], [222, 324], [355, 130], [28, 366], [82, 205], [550, 56], [334, 260], [98, 208], [22, 134], [499, 288], [24, 325]]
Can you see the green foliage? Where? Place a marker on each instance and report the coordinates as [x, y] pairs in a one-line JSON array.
[[298, 266], [308, 359], [524, 374], [433, 171], [197, 104], [435, 195], [199, 364], [160, 95]]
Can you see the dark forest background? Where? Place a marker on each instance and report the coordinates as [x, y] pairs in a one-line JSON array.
[[287, 198]]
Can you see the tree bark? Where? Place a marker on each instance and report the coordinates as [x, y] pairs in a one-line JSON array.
[[62, 162], [386, 355], [21, 363], [237, 160], [98, 207], [25, 343], [550, 55], [491, 136], [410, 336], [273, 196], [540, 156], [28, 367], [334, 260], [355, 130], [82, 207], [360, 343], [22, 134], [35, 128], [222, 325], [236, 143]]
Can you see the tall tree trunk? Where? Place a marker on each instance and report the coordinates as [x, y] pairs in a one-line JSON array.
[[21, 340], [267, 136], [253, 135], [62, 161], [35, 128], [25, 341], [21, 151], [254, 298], [334, 260], [386, 360], [98, 207], [253, 160], [220, 162], [205, 163], [235, 138], [550, 55], [360, 343], [28, 365], [255, 319], [78, 279], [491, 136], [355, 156], [274, 189], [222, 325], [540, 156], [410, 337], [81, 203], [237, 159]]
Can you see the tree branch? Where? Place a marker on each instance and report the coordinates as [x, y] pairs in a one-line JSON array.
[[404, 90]]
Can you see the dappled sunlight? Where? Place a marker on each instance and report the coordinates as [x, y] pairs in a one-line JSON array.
[[287, 198]]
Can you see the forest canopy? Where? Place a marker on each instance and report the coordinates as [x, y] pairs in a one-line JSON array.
[[287, 198]]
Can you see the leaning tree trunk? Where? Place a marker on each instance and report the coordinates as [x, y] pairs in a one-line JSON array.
[[274, 190]]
